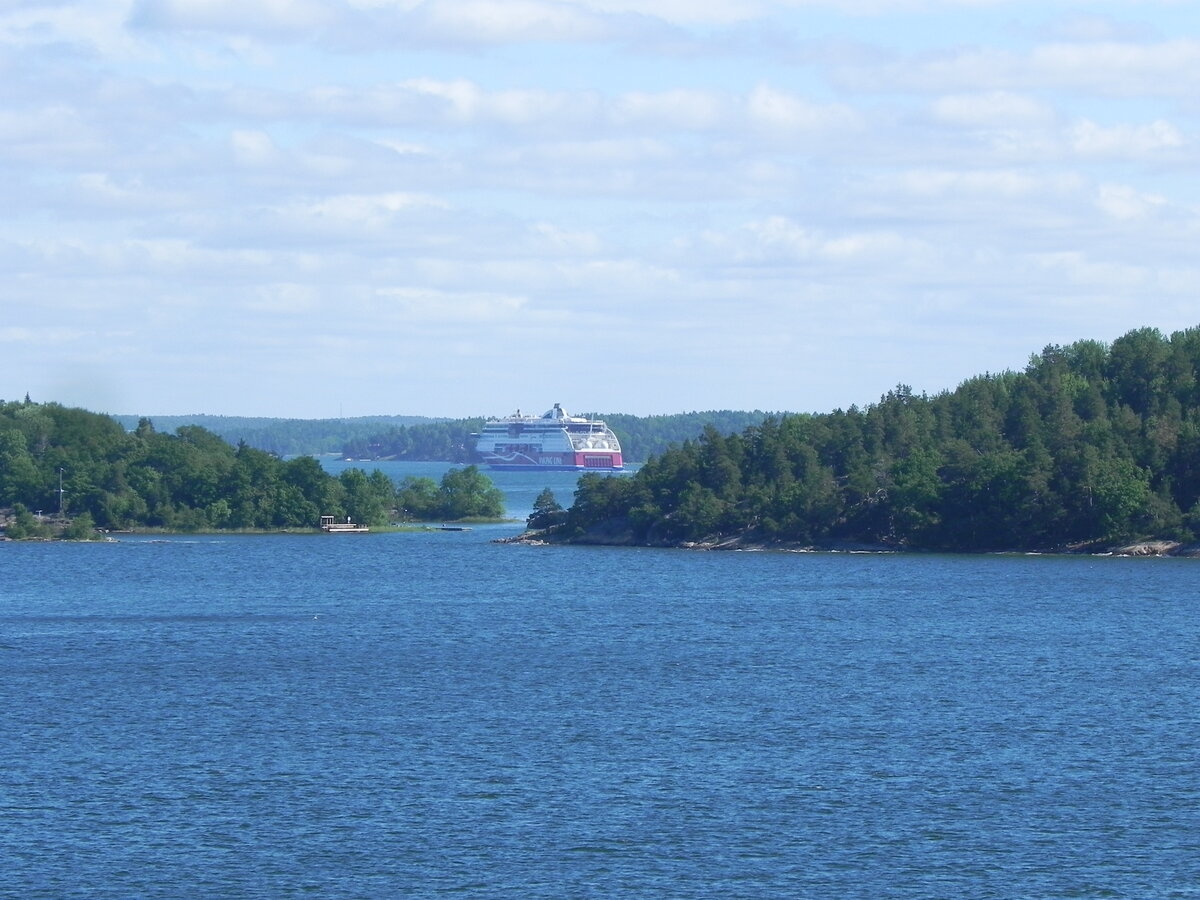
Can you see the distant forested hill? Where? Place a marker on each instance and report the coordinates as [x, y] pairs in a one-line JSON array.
[[640, 436], [448, 441], [424, 438], [645, 436], [1089, 444], [285, 437]]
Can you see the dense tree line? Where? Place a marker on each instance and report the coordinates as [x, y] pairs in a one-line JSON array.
[[642, 437], [287, 437], [190, 480], [1089, 444], [449, 441], [463, 494]]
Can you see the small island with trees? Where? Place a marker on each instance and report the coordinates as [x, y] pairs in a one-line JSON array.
[[69, 473], [1091, 448]]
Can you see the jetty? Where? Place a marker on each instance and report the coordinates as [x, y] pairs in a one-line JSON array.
[[329, 526]]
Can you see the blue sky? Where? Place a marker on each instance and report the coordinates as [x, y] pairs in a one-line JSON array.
[[314, 208]]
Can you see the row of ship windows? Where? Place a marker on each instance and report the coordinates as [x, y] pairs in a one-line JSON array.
[[516, 430], [596, 462]]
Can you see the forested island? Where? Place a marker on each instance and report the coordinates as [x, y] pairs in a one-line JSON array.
[[66, 472], [1091, 446]]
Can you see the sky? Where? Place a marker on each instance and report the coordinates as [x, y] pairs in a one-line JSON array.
[[337, 208]]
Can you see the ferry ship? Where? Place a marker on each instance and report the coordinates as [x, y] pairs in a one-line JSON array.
[[553, 440]]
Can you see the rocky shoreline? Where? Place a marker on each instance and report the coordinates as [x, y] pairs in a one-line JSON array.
[[617, 536]]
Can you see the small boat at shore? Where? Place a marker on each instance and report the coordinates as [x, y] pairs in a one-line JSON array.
[[329, 526]]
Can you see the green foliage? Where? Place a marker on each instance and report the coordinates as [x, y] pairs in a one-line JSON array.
[[600, 499], [547, 511], [469, 494], [24, 526], [368, 498], [286, 437], [448, 441], [642, 437], [80, 528], [1090, 444], [188, 481], [463, 494], [418, 499]]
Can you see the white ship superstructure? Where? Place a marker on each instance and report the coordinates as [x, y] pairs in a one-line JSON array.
[[553, 440]]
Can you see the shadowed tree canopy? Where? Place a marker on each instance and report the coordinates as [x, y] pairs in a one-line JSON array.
[[186, 481], [1089, 444]]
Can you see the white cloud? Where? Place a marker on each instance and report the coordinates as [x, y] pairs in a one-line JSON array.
[[1125, 203], [1108, 276], [263, 17], [423, 305], [781, 112], [254, 148], [1110, 69], [41, 338], [1125, 141], [96, 23], [1119, 68], [1082, 27], [691, 110], [55, 131], [405, 148], [124, 196], [778, 240], [286, 298], [987, 183], [406, 180], [508, 21], [465, 102], [561, 240], [686, 12], [355, 24], [595, 154], [993, 109], [359, 211]]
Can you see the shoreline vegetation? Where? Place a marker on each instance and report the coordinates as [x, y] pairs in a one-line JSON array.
[[12, 528], [70, 473], [1092, 448], [1144, 548], [99, 536], [83, 529]]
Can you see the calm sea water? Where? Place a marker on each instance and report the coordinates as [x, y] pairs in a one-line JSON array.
[[433, 714]]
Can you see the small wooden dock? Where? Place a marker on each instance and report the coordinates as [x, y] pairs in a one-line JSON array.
[[329, 526]]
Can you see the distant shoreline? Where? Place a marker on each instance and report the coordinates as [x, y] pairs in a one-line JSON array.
[[115, 536], [1134, 549]]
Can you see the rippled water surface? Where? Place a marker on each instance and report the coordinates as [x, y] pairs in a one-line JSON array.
[[429, 714]]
